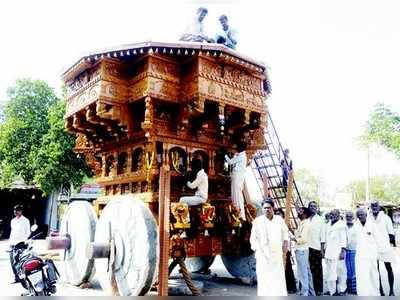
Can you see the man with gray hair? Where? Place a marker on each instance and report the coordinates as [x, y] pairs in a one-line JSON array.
[[335, 254], [386, 237], [367, 275], [194, 32]]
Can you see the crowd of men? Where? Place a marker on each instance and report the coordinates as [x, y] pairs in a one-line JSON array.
[[339, 254]]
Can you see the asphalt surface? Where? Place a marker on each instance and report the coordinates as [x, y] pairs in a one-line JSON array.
[[217, 283]]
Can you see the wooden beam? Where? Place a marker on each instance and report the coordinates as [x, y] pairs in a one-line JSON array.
[[163, 225], [289, 200]]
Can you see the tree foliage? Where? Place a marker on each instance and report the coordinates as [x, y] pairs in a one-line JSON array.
[[383, 188], [383, 128], [309, 185], [33, 143]]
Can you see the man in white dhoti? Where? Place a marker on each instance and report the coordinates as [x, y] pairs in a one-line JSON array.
[[269, 239], [385, 251], [367, 275], [201, 183], [336, 243], [194, 32], [239, 162]]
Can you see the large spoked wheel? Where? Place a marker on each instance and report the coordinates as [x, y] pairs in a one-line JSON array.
[[199, 264], [131, 226], [79, 223], [242, 267]]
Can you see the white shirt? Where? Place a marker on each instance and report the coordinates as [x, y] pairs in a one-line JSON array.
[[267, 236], [385, 227], [367, 237], [228, 42], [20, 230], [201, 183], [239, 162], [301, 235], [335, 240], [351, 238], [316, 234]]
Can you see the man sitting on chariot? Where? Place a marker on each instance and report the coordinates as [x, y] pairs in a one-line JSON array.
[[194, 32], [201, 183]]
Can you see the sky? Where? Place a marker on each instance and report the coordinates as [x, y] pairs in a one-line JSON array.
[[329, 61]]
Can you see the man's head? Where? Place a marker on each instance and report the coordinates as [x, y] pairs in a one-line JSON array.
[[268, 208], [327, 217], [286, 152], [396, 217], [241, 146], [303, 212], [335, 216], [197, 164], [224, 22], [313, 207], [201, 13], [375, 207], [361, 215], [349, 218], [18, 210], [279, 212]]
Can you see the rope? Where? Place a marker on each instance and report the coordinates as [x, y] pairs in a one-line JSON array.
[[186, 276]]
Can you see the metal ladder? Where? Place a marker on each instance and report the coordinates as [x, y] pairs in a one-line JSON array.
[[268, 174]]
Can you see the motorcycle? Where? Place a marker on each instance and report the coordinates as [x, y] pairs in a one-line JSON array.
[[36, 275]]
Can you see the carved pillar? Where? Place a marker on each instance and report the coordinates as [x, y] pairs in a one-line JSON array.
[[221, 118], [247, 117], [114, 170], [211, 169], [103, 165], [129, 162], [147, 124]]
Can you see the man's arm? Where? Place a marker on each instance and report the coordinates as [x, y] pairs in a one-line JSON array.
[[196, 182]]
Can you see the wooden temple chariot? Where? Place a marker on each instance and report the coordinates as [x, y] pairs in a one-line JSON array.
[[142, 109]]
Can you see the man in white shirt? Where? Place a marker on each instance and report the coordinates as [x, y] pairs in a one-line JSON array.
[[304, 276], [194, 32], [269, 239], [316, 244], [385, 251], [335, 252], [227, 35], [351, 253], [201, 183], [239, 162], [20, 231], [367, 275]]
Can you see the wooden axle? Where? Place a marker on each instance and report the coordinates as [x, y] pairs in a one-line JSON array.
[[60, 242], [98, 250]]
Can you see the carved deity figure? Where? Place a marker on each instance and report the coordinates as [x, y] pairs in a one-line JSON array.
[[194, 32]]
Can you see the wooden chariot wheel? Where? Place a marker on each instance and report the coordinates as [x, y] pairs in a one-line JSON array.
[[130, 228], [199, 263], [79, 224], [242, 267]]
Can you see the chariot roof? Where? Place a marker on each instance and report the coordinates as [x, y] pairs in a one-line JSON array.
[[180, 48]]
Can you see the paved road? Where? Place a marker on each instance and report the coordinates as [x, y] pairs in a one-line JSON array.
[[217, 283]]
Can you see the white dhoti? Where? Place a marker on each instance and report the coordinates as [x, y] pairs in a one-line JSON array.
[[367, 277], [237, 192], [192, 200], [270, 276], [387, 256], [336, 271]]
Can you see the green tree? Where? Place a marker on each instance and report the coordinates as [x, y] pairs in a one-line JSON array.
[[33, 141], [310, 186], [54, 161], [384, 188], [383, 128]]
